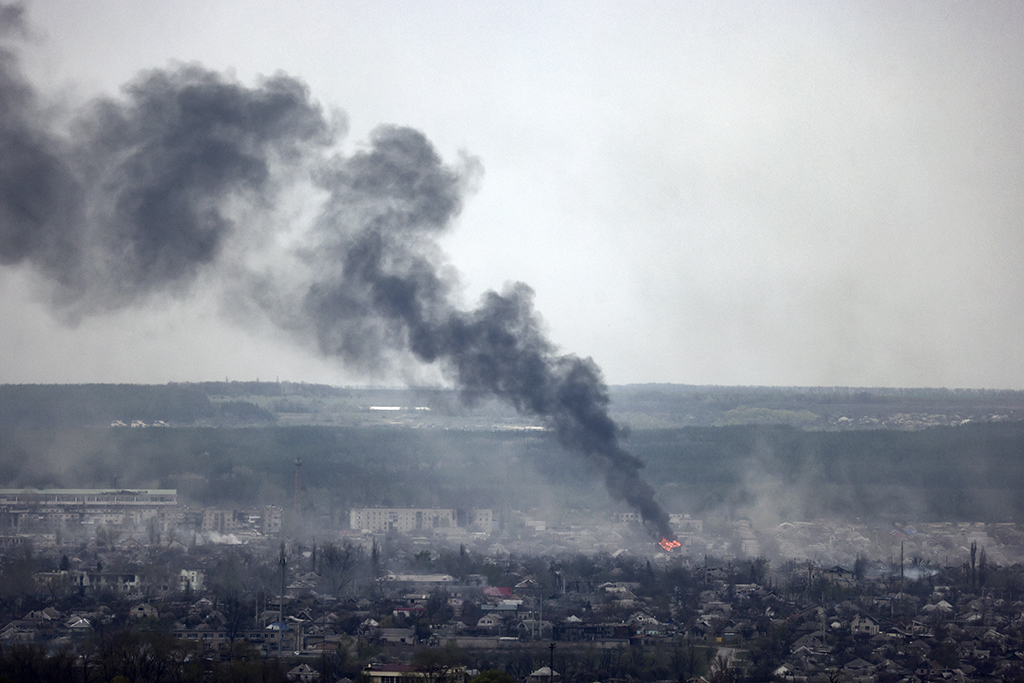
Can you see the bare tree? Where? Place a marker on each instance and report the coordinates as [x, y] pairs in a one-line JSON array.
[[108, 536], [441, 665], [338, 564], [982, 569], [974, 553], [720, 671]]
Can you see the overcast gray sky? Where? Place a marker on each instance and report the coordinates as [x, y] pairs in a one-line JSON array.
[[787, 193]]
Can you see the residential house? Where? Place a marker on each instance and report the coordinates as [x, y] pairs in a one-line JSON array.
[[143, 610], [303, 672], [863, 626], [398, 636], [543, 675], [216, 640], [407, 673], [490, 623], [534, 628], [192, 580]]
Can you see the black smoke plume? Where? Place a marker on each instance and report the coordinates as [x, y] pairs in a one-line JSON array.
[[148, 193]]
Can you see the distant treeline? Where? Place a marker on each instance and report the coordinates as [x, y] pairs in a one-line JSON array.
[[826, 393], [812, 407], [217, 403], [769, 473], [640, 406], [93, 404]]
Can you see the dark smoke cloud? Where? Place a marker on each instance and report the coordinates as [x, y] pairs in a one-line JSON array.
[[142, 194], [135, 199], [36, 186]]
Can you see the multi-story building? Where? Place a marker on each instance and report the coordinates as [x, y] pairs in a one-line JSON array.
[[481, 518], [684, 524], [220, 521], [402, 520], [266, 520], [90, 498], [272, 516], [49, 510], [408, 520]]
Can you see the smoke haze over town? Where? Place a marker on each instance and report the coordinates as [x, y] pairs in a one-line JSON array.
[[410, 340], [664, 329]]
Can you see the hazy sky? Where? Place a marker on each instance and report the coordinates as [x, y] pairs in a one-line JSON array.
[[706, 193]]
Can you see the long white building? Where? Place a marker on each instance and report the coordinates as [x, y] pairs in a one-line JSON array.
[[50, 509], [90, 498]]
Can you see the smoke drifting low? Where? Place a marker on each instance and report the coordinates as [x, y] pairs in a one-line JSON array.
[[174, 184]]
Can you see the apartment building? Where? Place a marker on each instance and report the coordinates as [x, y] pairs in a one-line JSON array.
[[409, 520], [47, 510]]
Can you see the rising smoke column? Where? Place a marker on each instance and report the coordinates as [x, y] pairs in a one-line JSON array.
[[380, 287], [142, 196]]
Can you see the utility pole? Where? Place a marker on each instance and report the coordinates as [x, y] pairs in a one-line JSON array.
[[280, 606], [540, 620], [901, 578], [297, 502]]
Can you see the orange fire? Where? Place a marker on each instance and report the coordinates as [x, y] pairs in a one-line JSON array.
[[668, 545]]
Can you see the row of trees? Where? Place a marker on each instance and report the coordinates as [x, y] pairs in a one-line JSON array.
[[126, 656]]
